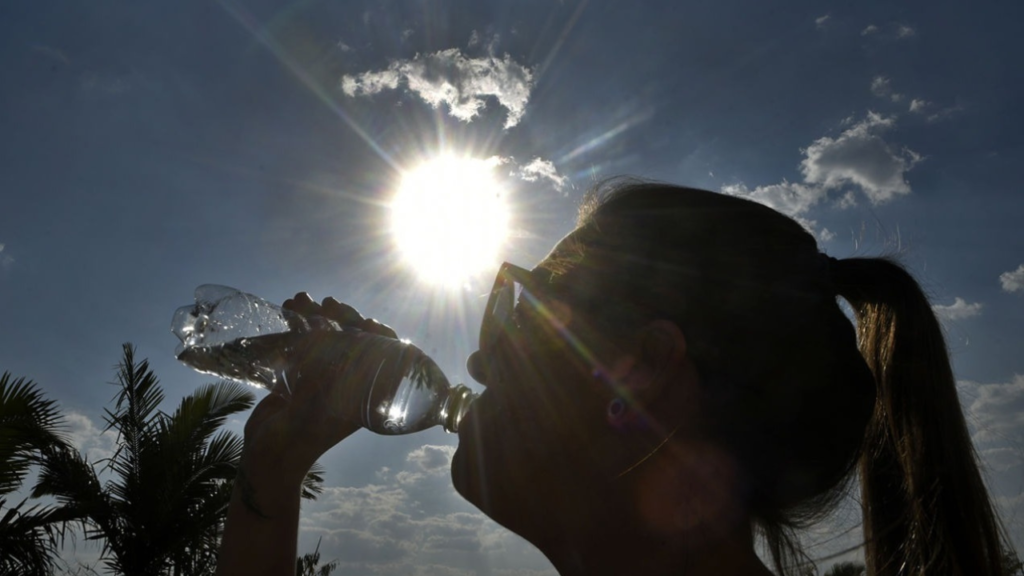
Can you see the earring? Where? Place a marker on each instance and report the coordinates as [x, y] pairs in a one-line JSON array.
[[617, 412]]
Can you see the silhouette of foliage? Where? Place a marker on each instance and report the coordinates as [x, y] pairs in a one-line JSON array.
[[29, 428], [309, 564], [170, 478]]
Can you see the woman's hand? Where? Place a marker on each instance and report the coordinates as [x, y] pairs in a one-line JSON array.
[[286, 433], [290, 428]]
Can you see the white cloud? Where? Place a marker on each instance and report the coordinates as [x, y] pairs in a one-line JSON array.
[[92, 442], [786, 197], [958, 310], [882, 87], [917, 105], [428, 462], [820, 21], [861, 157], [995, 411], [540, 168], [848, 200], [944, 113], [450, 78], [871, 29], [905, 31], [412, 521], [995, 419], [792, 199], [1013, 281], [1002, 459]]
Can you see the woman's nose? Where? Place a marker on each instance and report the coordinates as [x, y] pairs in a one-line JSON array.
[[476, 364]]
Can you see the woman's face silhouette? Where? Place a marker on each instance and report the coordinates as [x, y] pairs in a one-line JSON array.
[[533, 452]]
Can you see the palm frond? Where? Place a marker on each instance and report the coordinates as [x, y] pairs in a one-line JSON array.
[[29, 423], [30, 538], [313, 483]]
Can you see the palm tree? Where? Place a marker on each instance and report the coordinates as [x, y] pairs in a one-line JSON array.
[[29, 428], [162, 510], [309, 564]]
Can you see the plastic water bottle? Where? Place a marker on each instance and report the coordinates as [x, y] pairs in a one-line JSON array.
[[387, 385]]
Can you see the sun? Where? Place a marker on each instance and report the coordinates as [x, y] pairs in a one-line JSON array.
[[449, 218]]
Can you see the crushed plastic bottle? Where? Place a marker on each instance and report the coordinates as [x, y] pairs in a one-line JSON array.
[[388, 386]]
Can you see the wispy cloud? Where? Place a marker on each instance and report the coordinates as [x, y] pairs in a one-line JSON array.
[[104, 85], [918, 106], [882, 87], [539, 168], [944, 113], [925, 108], [1013, 281], [52, 52], [820, 21], [859, 158], [888, 32], [904, 31], [6, 260], [958, 310], [450, 78]]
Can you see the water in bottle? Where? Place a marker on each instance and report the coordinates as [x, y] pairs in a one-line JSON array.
[[387, 385]]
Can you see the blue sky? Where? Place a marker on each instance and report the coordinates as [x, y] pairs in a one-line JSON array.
[[150, 147]]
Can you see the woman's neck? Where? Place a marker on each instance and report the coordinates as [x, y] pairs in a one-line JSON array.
[[621, 553]]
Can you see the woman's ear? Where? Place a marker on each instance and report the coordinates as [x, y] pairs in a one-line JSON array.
[[662, 358], [657, 359]]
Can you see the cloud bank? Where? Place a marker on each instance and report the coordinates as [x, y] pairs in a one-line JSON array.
[[996, 411], [450, 78], [411, 521]]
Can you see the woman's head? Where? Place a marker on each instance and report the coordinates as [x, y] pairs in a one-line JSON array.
[[782, 387], [783, 384]]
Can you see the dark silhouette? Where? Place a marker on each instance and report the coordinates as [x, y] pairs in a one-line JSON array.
[[30, 427], [676, 378], [163, 508]]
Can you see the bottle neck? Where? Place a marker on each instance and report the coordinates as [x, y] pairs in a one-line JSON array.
[[455, 407]]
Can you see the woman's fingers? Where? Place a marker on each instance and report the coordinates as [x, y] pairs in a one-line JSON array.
[[374, 327], [340, 312], [303, 304]]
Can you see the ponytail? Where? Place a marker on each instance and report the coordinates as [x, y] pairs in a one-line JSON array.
[[926, 508]]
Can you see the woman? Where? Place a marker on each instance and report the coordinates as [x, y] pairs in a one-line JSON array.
[[675, 379]]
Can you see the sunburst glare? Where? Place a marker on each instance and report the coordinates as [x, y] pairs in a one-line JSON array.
[[449, 218]]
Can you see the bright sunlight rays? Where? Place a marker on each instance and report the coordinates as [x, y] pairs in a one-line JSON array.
[[449, 218]]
